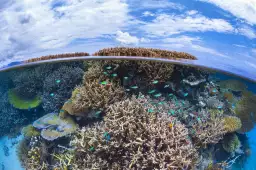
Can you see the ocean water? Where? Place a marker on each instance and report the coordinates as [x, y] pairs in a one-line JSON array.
[[125, 114]]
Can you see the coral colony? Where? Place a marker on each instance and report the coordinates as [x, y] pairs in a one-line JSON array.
[[120, 114]]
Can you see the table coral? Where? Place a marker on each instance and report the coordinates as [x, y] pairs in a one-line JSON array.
[[21, 103], [232, 84], [132, 138], [54, 127]]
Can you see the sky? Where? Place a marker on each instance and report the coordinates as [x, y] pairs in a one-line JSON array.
[[212, 30]]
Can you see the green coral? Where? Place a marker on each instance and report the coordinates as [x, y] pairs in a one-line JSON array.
[[232, 123], [231, 143], [23, 104], [30, 131]]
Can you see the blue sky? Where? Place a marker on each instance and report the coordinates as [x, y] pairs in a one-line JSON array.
[[209, 29]]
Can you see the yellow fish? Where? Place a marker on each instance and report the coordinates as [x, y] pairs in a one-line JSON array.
[[170, 125]]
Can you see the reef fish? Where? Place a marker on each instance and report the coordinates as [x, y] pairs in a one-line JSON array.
[[158, 95], [151, 91]]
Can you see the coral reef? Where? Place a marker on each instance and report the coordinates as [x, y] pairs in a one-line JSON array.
[[156, 70], [231, 143], [94, 95], [132, 138], [57, 87], [232, 123], [29, 131], [54, 127], [209, 132], [143, 52], [233, 85], [10, 118], [48, 57], [20, 103], [245, 110]]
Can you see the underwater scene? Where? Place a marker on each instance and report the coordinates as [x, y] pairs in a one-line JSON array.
[[125, 114]]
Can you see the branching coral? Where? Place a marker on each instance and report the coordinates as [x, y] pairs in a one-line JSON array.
[[95, 95], [232, 123], [156, 70], [143, 52], [209, 132], [58, 86], [48, 57], [20, 103], [132, 138], [231, 143]]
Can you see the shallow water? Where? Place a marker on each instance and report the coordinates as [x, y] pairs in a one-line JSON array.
[[110, 114]]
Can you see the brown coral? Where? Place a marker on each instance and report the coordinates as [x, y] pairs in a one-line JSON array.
[[209, 132], [131, 138], [156, 70], [144, 52], [232, 123], [48, 57], [95, 95]]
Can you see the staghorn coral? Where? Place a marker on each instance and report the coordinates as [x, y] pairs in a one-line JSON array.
[[30, 131], [232, 84], [231, 143], [156, 70], [245, 110], [57, 87], [232, 123], [23, 104], [132, 138], [56, 56], [95, 95], [143, 52], [209, 132]]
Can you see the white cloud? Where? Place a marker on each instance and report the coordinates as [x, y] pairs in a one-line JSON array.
[[193, 43], [29, 24], [244, 9], [238, 45], [165, 25], [125, 38], [147, 13], [155, 4], [192, 12], [247, 31]]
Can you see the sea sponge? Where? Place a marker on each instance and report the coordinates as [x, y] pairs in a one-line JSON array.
[[21, 103], [231, 143], [232, 123], [245, 110], [30, 131], [144, 52], [95, 95], [233, 85], [132, 138]]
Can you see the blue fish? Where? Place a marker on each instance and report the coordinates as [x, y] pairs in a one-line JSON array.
[[58, 81], [158, 95], [52, 94]]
